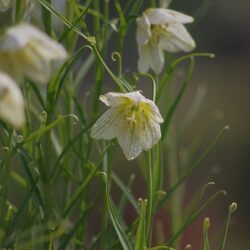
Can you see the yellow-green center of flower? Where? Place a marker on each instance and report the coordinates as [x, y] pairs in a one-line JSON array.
[[158, 31], [137, 114]]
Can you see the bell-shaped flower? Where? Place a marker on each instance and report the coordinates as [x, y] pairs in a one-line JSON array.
[[11, 102], [158, 30], [132, 119], [26, 51]]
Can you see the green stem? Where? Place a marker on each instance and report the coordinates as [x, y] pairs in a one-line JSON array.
[[232, 209], [176, 200], [150, 198]]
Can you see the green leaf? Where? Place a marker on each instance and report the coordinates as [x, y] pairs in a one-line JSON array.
[[193, 167], [35, 136], [174, 105], [126, 191], [232, 208], [115, 218], [59, 78], [166, 76], [195, 215], [73, 200], [46, 17], [140, 240]]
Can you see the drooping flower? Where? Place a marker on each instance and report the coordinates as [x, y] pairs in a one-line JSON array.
[[26, 51], [11, 102], [158, 30], [132, 119]]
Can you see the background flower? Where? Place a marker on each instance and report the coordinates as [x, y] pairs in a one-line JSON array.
[[30, 53], [158, 30], [11, 102]]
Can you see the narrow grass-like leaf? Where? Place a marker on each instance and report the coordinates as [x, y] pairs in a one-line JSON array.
[[42, 235], [149, 212], [57, 81], [37, 92], [196, 200], [197, 163], [194, 216], [62, 18], [73, 230], [174, 105], [79, 18], [67, 147], [232, 208], [33, 181], [140, 240], [46, 17], [166, 76], [115, 218], [126, 191], [19, 212], [73, 200], [18, 179], [157, 174], [43, 129]]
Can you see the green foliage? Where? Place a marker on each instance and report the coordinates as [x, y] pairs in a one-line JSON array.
[[62, 178]]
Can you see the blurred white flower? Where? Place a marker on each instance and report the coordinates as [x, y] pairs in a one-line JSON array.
[[11, 102], [26, 51], [132, 119], [158, 30]]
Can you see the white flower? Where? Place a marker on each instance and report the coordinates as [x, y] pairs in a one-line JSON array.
[[11, 102], [132, 119], [158, 30], [26, 51]]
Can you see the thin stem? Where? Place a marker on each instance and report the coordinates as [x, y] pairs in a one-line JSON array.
[[150, 197]]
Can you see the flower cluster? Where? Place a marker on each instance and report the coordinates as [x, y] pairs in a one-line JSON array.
[[131, 118], [26, 52]]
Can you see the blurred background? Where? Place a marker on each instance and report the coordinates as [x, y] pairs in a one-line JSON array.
[[223, 28]]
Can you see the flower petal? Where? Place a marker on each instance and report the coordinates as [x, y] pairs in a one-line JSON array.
[[177, 38], [129, 142], [112, 99], [149, 133], [143, 32], [34, 66], [151, 110], [166, 16], [150, 55], [109, 125], [36, 54], [11, 102], [143, 61]]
